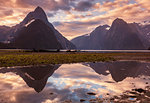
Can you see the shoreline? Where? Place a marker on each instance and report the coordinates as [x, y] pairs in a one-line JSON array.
[[20, 58]]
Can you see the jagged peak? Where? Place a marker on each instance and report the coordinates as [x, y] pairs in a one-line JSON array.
[[119, 21], [38, 13], [38, 9]]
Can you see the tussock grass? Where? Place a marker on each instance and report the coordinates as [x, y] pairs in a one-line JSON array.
[[24, 58]]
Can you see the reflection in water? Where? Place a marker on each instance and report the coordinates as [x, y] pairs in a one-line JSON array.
[[121, 70], [73, 82], [35, 76]]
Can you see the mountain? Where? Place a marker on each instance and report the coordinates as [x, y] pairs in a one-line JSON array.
[[4, 33], [38, 13], [93, 41], [121, 70], [35, 77], [36, 35], [120, 35], [96, 37], [6, 46], [82, 42], [145, 32]]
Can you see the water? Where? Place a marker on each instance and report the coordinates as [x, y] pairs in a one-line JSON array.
[[117, 51], [97, 51], [104, 81]]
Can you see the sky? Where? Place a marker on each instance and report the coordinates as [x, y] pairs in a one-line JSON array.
[[76, 17]]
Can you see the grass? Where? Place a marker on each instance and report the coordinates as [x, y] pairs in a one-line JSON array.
[[20, 58], [28, 58]]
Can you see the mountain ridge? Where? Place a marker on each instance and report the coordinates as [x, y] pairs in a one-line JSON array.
[[119, 36]]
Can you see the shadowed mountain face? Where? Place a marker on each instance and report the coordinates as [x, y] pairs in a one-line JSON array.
[[36, 35], [6, 46], [38, 13], [144, 35], [81, 42], [120, 36], [4, 33], [35, 77], [121, 70], [93, 41]]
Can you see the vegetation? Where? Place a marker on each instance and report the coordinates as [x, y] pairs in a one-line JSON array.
[[29, 58], [21, 58]]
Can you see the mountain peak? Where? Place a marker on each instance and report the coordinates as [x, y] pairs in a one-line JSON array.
[[119, 21], [38, 13], [39, 9]]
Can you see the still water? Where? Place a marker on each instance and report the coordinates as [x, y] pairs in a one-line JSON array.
[[103, 82]]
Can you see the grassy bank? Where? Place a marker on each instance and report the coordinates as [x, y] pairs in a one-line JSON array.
[[28, 58], [16, 58]]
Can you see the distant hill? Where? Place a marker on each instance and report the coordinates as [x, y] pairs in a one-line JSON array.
[[120, 36]]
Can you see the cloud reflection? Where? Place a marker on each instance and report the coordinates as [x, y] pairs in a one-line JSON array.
[[74, 81]]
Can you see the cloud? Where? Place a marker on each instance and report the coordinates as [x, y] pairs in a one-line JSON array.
[[5, 3], [8, 12], [51, 14], [75, 28], [4, 13], [57, 23], [83, 6], [51, 5], [71, 16]]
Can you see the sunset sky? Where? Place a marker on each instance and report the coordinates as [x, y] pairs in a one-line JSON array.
[[76, 17]]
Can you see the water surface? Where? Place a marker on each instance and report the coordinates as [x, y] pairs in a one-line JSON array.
[[87, 82]]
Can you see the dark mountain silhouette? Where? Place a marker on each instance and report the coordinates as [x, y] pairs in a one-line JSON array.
[[38, 13], [121, 70], [4, 33], [144, 33], [137, 28], [82, 42], [121, 36], [35, 77], [93, 41], [6, 46], [36, 35]]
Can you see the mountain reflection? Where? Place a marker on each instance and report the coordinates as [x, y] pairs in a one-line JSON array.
[[35, 76], [122, 69], [72, 81]]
